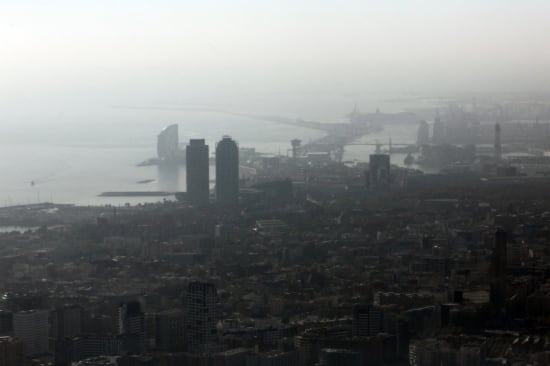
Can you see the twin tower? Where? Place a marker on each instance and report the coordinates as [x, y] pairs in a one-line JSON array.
[[198, 172]]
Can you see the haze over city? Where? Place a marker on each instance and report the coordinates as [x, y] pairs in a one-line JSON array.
[[117, 50]]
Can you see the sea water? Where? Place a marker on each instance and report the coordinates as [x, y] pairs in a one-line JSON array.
[[73, 156]]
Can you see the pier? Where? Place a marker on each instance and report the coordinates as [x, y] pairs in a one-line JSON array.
[[338, 135]]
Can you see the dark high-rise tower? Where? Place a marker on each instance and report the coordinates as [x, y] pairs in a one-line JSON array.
[[227, 171], [197, 166], [131, 326], [367, 320], [200, 317], [499, 262], [498, 146], [438, 135], [498, 269], [423, 136], [379, 171]]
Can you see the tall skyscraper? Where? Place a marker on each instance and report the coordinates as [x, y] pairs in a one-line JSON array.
[[169, 331], [11, 352], [131, 325], [31, 327], [499, 267], [438, 135], [498, 146], [66, 321], [500, 255], [423, 136], [197, 167], [227, 171], [367, 320], [200, 317], [6, 323], [168, 142], [379, 171]]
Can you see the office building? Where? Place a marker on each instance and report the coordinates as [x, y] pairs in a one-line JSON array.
[[6, 323], [168, 143], [197, 167], [423, 136], [68, 350], [500, 255], [367, 320], [31, 327], [200, 317], [100, 361], [439, 133], [498, 145], [459, 351], [131, 325], [338, 357], [227, 171], [379, 171], [271, 358], [11, 352], [498, 269], [169, 331], [66, 321]]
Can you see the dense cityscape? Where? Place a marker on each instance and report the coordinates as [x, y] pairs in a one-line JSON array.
[[300, 259]]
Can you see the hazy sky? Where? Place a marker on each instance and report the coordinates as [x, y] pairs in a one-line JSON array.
[[121, 48]]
